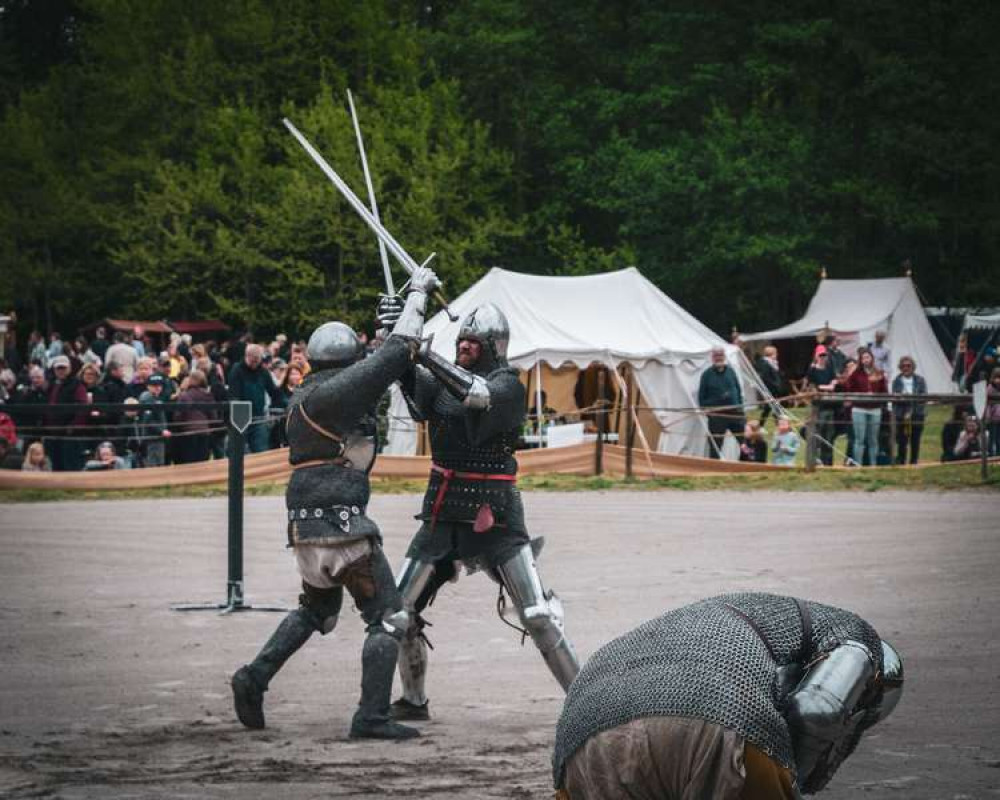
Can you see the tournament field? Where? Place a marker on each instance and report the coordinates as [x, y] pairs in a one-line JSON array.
[[107, 693]]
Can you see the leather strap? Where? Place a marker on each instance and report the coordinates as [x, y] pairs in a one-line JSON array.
[[316, 427]]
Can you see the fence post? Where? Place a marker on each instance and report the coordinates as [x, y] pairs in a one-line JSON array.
[[811, 435]]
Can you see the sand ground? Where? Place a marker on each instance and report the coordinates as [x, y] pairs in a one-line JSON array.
[[107, 693]]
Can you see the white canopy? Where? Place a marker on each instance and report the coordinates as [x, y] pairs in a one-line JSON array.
[[858, 308], [607, 319], [982, 321]]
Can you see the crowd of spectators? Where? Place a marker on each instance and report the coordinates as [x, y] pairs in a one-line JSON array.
[[866, 425], [167, 386]]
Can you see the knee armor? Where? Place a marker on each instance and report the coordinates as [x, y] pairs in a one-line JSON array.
[[321, 606]]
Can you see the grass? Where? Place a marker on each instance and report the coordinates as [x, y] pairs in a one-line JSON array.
[[944, 477]]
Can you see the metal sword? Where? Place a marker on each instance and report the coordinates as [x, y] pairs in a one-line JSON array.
[[362, 211], [390, 289]]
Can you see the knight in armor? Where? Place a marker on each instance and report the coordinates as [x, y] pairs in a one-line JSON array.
[[332, 438], [472, 514], [738, 697]]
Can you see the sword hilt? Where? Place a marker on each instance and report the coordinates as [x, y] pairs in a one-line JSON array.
[[439, 296]]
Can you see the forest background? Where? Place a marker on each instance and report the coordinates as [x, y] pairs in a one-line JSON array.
[[728, 150]]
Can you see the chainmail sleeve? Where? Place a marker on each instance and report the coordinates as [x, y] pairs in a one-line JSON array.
[[420, 389], [339, 402], [506, 411]]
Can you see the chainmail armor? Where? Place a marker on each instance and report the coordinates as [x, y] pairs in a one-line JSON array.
[[705, 661], [342, 401]]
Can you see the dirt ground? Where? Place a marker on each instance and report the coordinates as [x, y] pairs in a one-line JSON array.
[[107, 693]]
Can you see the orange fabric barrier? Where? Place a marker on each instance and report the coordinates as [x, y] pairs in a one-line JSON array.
[[273, 467]]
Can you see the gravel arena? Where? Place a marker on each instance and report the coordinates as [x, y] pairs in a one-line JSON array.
[[108, 693]]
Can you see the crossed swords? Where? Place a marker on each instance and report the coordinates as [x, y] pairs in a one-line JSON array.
[[386, 240]]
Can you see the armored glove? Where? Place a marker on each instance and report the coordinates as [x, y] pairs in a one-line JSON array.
[[388, 310], [423, 279]]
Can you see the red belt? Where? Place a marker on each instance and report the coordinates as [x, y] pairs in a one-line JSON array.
[[446, 477]]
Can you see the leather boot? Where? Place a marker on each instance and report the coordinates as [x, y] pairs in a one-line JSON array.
[[378, 663], [251, 681]]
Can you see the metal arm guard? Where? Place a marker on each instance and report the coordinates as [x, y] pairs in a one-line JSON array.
[[411, 320], [467, 387], [820, 712]]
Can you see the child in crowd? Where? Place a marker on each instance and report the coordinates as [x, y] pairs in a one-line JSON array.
[[35, 459], [784, 443], [753, 447]]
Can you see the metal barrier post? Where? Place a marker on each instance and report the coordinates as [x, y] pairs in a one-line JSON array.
[[238, 420]]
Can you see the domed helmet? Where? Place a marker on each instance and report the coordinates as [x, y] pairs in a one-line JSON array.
[[487, 325], [333, 344]]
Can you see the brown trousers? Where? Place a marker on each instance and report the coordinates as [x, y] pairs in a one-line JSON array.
[[673, 758]]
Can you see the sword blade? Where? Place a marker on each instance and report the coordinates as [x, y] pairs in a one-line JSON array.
[[383, 255], [360, 208]]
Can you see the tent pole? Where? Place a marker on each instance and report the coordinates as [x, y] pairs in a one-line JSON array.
[[638, 427], [538, 400], [630, 424], [601, 423]]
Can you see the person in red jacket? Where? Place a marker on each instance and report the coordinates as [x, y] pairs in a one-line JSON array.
[[866, 416]]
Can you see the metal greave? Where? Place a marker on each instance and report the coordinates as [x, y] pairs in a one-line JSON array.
[[412, 580], [541, 615]]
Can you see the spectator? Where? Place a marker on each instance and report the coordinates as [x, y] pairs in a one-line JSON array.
[[8, 385], [842, 424], [184, 348], [8, 429], [822, 378], [89, 375], [154, 423], [193, 444], [964, 359], [881, 354], [837, 357], [249, 381], [137, 341], [753, 448], [968, 445], [100, 344], [909, 416], [784, 443], [145, 368], [67, 454], [164, 366], [55, 346], [35, 459], [720, 388], [37, 354], [993, 413], [866, 415], [83, 351], [982, 368], [10, 456], [123, 354], [105, 458], [35, 393], [770, 375]]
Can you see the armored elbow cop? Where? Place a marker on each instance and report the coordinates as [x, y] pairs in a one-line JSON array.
[[838, 699], [468, 387]]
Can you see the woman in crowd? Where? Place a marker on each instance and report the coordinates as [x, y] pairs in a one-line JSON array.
[[866, 415], [968, 445], [105, 458], [993, 413], [754, 447], [194, 425], [909, 416], [785, 443], [35, 459], [90, 376]]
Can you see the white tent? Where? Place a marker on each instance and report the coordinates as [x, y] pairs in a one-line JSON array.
[[610, 319], [981, 321], [855, 309]]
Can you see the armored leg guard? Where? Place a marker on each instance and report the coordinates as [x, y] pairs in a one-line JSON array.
[[372, 719], [541, 614], [414, 582], [251, 681], [376, 596]]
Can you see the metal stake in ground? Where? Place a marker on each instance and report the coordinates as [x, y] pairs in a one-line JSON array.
[[239, 419]]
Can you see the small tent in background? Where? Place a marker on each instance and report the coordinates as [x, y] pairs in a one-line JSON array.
[[855, 309], [566, 331]]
